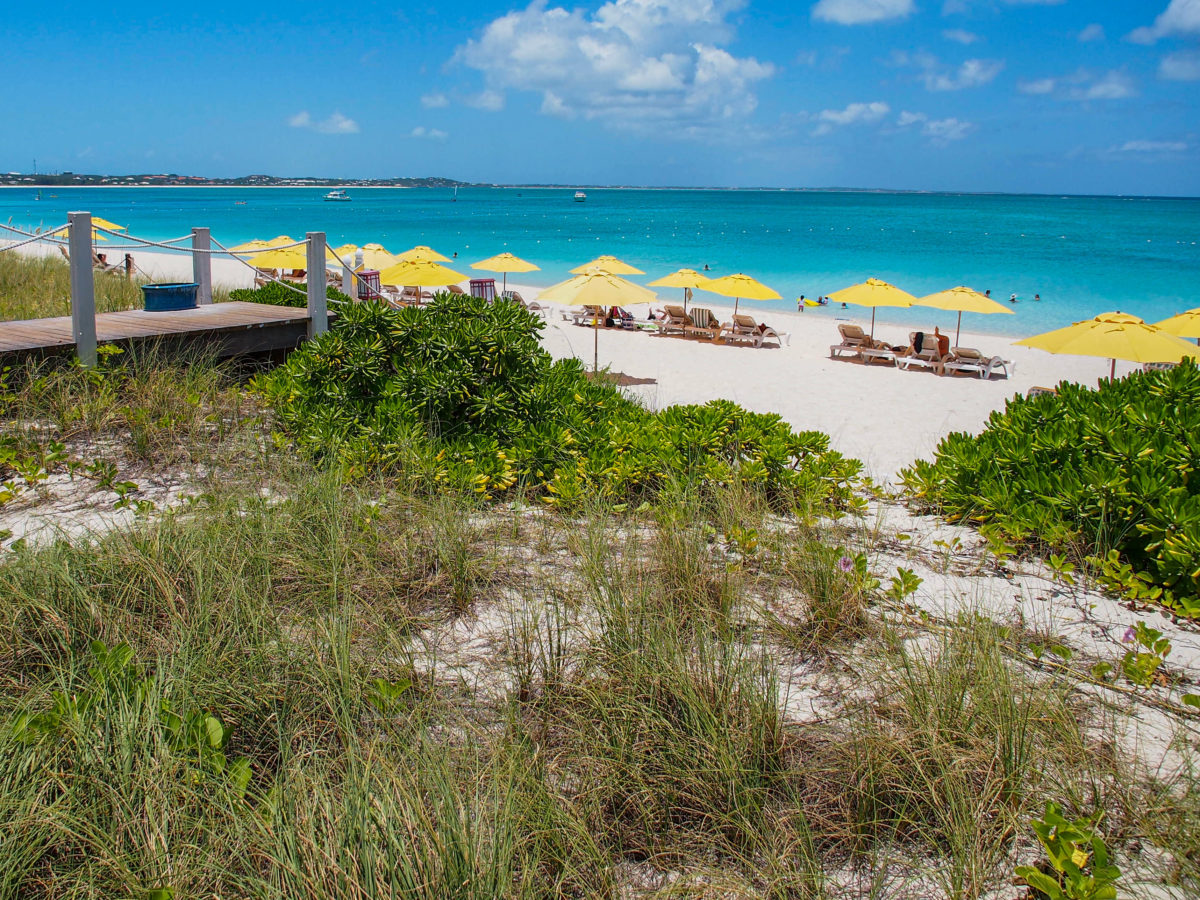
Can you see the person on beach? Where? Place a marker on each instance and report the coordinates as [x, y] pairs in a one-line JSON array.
[[800, 303]]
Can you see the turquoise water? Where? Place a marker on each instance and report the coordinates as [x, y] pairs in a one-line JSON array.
[[1083, 255]]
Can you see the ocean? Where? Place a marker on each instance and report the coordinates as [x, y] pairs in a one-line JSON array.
[[1082, 255]]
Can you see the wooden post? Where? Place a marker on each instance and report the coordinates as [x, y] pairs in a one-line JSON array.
[[202, 265], [318, 313], [83, 288]]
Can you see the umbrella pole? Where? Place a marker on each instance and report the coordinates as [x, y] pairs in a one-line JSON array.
[[687, 292], [872, 323], [595, 345], [958, 330], [503, 284], [1112, 372], [735, 304]]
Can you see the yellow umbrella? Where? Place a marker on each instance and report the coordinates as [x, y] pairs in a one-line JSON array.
[[1184, 325], [596, 287], [65, 232], [258, 244], [873, 293], [99, 222], [420, 273], [505, 263], [1115, 336], [686, 279], [421, 253], [609, 264], [287, 258], [738, 286], [963, 299]]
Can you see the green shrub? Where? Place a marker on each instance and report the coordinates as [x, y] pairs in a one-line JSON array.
[[276, 294], [460, 394], [1091, 471]]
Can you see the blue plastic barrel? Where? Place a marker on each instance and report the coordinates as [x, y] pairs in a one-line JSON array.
[[169, 297]]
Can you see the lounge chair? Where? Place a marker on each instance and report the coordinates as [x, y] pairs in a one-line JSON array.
[[264, 276], [857, 344], [966, 359], [101, 264], [589, 315], [1158, 366], [744, 329], [456, 290], [1038, 391], [927, 356], [674, 320], [534, 307], [704, 324]]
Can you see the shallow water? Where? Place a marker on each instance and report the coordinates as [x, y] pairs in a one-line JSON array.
[[1083, 255]]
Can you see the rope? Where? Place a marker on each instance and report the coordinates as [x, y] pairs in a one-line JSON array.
[[48, 233], [165, 244], [259, 273], [31, 240], [346, 265]]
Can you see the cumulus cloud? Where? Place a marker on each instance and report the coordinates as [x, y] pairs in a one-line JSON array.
[[861, 12], [335, 124], [1183, 66], [432, 134], [632, 64], [961, 36], [936, 77], [1037, 86], [492, 101], [1093, 32], [853, 114], [434, 101], [1112, 85], [1181, 17], [939, 131]]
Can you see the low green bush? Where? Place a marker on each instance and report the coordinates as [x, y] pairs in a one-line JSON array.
[[460, 394], [1112, 473], [277, 294]]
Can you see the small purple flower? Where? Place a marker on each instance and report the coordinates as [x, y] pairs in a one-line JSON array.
[[1129, 635], [846, 564]]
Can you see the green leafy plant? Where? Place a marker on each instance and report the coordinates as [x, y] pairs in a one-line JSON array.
[[1142, 661], [1112, 474], [1077, 860], [903, 584]]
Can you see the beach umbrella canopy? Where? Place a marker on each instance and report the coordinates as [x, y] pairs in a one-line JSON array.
[[286, 258], [259, 244], [684, 278], [596, 287], [376, 256], [738, 286], [420, 273], [874, 293], [99, 222], [421, 253], [1113, 335], [505, 263], [65, 232], [609, 264], [963, 299], [1184, 325]]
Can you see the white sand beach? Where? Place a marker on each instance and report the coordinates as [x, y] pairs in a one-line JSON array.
[[879, 414]]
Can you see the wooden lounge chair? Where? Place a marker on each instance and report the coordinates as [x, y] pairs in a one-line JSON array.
[[1158, 366], [857, 344], [534, 307], [704, 324], [456, 290], [101, 264], [927, 356], [967, 359], [1038, 391], [589, 315], [674, 320], [744, 329]]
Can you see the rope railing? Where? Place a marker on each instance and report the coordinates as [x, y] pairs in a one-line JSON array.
[[261, 273], [30, 240]]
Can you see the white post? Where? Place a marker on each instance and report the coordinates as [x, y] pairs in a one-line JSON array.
[[348, 282], [318, 314], [202, 265], [83, 288]]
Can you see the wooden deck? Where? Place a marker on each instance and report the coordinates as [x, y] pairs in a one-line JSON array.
[[229, 328]]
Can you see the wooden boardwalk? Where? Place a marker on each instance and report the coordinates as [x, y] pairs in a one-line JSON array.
[[229, 328]]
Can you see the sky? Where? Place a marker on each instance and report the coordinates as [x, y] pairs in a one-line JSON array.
[[1039, 96]]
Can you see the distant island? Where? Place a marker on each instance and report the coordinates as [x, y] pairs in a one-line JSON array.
[[76, 179]]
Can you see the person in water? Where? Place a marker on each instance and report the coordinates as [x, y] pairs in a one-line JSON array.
[[1012, 298], [1037, 297], [706, 269], [800, 303]]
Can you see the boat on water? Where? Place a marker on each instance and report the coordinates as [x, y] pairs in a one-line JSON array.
[[338, 195], [580, 196]]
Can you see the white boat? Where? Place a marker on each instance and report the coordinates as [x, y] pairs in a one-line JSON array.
[[337, 195], [580, 196]]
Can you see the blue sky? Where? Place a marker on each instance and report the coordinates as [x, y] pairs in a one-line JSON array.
[[1055, 96]]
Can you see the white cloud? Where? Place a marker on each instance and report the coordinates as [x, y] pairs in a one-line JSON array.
[[939, 131], [1181, 17], [853, 114], [335, 124], [635, 64], [1151, 147], [860, 12], [936, 77], [432, 134], [434, 101], [1112, 85], [1039, 86], [960, 36], [1093, 32], [1183, 66], [492, 101]]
